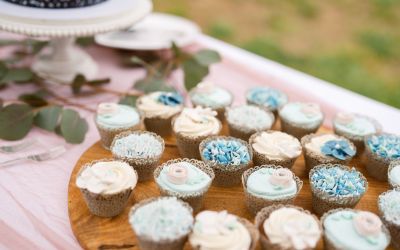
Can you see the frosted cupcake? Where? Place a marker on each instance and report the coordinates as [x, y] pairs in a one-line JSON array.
[[229, 157], [224, 231], [269, 184], [354, 229], [355, 127], [380, 151], [274, 147], [245, 120], [191, 127], [161, 223], [394, 174], [141, 149], [326, 148], [284, 227], [106, 186], [112, 119], [186, 179], [266, 97], [158, 109], [389, 209], [336, 186], [208, 95], [300, 119]]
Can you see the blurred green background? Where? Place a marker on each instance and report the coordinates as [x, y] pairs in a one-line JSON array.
[[352, 43]]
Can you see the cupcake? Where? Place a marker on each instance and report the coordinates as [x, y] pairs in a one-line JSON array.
[[336, 186], [208, 95], [380, 151], [355, 127], [106, 186], [141, 149], [221, 230], [161, 223], [269, 184], [245, 120], [158, 109], [389, 209], [186, 179], [191, 127], [229, 157], [274, 147], [287, 227], [300, 119], [266, 97], [112, 119], [354, 229], [394, 174], [326, 148]]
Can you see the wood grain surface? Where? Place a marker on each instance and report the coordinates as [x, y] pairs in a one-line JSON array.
[[94, 232]]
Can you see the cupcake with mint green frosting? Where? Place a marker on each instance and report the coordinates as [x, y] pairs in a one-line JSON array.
[[208, 95], [300, 118], [355, 127], [354, 229], [381, 150], [389, 210], [394, 174], [266, 97], [186, 179], [161, 223], [158, 109], [245, 120], [269, 184], [112, 119]]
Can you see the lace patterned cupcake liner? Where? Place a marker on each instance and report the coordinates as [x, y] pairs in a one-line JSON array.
[[376, 165], [393, 228], [391, 166]]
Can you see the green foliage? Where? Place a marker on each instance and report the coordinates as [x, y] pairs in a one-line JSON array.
[[33, 99], [73, 128], [194, 73], [129, 100], [16, 75], [221, 30], [47, 118], [15, 121], [380, 44], [206, 57]]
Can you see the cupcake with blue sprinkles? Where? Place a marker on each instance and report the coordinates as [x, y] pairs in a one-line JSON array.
[[229, 157], [267, 185], [389, 210], [394, 174], [141, 149], [381, 150], [336, 186], [186, 179], [266, 97]]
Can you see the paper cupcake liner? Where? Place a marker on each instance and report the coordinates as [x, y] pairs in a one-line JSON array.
[[143, 166], [330, 244], [146, 243], [158, 125], [312, 159], [322, 202], [195, 199], [264, 214], [376, 165], [393, 228], [256, 203], [107, 135], [391, 166], [296, 130], [226, 176]]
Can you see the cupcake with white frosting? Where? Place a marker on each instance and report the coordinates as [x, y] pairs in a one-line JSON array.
[[394, 174], [161, 223], [245, 120], [326, 148], [112, 119], [141, 149], [266, 97], [269, 184], [106, 186], [158, 109], [354, 229], [389, 211], [191, 127], [284, 227], [222, 231], [208, 95], [300, 119], [274, 147], [186, 179]]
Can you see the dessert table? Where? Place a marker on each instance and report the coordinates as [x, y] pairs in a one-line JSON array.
[[34, 209]]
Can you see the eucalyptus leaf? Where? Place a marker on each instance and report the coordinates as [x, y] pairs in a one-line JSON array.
[[47, 118], [194, 73], [99, 82], [73, 128], [33, 99], [129, 100], [85, 41], [207, 57], [18, 75], [37, 46], [152, 84], [9, 42], [3, 70], [15, 121], [137, 60], [78, 83]]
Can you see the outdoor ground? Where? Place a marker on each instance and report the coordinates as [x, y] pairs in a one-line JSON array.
[[354, 44]]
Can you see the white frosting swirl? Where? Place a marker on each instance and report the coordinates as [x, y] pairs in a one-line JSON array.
[[292, 229], [219, 231], [197, 122], [108, 177], [151, 107], [277, 145], [315, 144]]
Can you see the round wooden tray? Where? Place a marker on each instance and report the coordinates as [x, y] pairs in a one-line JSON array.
[[94, 232]]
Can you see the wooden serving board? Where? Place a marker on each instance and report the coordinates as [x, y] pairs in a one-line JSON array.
[[94, 232]]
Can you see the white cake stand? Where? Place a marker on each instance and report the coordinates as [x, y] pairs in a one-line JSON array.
[[63, 60]]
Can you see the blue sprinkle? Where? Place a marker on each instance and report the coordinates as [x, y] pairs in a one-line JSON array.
[[385, 145], [268, 97], [226, 152], [170, 99], [339, 149]]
